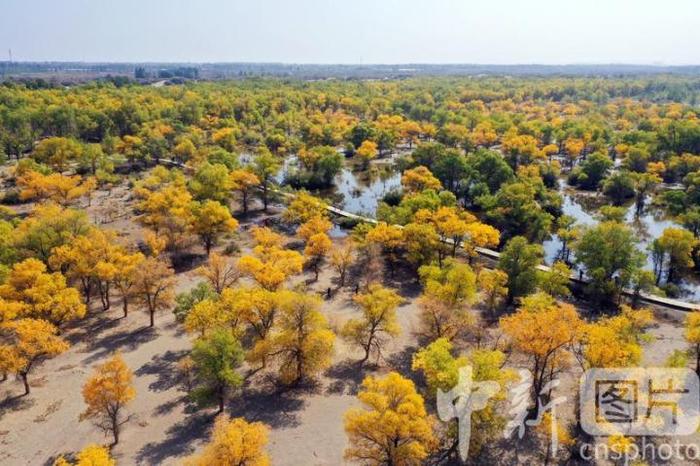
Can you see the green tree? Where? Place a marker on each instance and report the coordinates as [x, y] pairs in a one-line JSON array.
[[518, 210], [555, 281], [591, 171], [609, 254], [677, 244], [619, 187], [519, 260], [184, 302], [210, 182], [216, 357]]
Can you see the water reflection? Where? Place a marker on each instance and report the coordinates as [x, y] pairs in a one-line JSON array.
[[647, 227], [360, 192]]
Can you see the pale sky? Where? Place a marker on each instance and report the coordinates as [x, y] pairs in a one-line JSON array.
[[354, 31]]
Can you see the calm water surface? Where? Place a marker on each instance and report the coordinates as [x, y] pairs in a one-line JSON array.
[[360, 193]]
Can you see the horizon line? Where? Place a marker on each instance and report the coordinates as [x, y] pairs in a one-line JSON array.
[[159, 62]]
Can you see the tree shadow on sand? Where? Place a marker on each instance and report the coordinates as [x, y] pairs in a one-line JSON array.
[[164, 366], [402, 363], [122, 341], [403, 279], [169, 406], [186, 261], [273, 405], [347, 376], [178, 441], [11, 403], [90, 329]]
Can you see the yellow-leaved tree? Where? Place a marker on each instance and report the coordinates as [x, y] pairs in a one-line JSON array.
[[419, 179], [492, 284], [124, 279], [313, 226], [211, 220], [317, 247], [258, 308], [168, 212], [393, 427], [90, 260], [692, 336], [30, 291], [270, 265], [107, 393], [615, 341], [91, 455], [459, 228], [234, 442], [154, 286], [447, 294], [55, 187], [304, 341], [341, 258], [210, 314], [366, 152], [378, 322], [304, 207], [26, 343], [391, 240], [545, 331], [441, 371], [219, 272], [243, 181]]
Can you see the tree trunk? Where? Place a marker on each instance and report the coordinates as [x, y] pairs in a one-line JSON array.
[[104, 295], [366, 357], [125, 306], [23, 375], [115, 430], [87, 291], [152, 312], [222, 399], [300, 369]]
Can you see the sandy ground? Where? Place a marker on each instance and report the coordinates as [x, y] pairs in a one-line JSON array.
[[306, 422]]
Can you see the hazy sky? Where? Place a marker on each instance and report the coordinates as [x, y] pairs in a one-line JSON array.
[[354, 31]]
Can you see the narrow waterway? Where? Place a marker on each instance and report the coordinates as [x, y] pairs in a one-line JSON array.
[[360, 192]]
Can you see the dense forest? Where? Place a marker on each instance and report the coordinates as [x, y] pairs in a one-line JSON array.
[[205, 204]]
